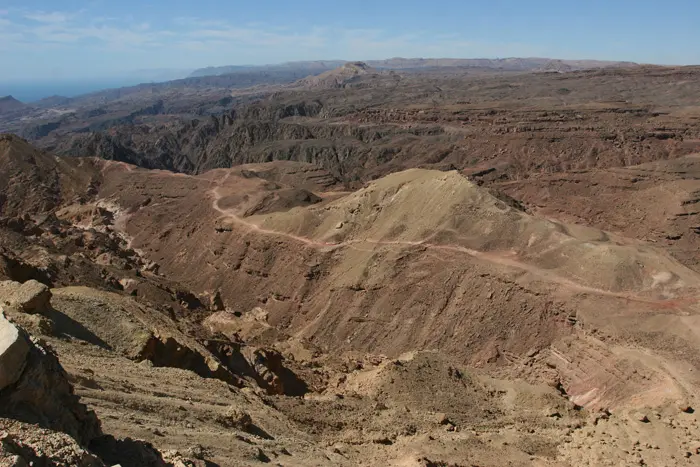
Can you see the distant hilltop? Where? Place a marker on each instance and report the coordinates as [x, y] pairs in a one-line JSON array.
[[9, 104], [398, 63], [338, 77]]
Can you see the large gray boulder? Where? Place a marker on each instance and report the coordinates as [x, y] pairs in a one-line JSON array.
[[34, 387], [14, 349]]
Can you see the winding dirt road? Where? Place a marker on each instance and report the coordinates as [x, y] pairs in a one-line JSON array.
[[491, 257]]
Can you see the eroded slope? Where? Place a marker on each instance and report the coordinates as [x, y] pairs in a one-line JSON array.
[[426, 260]]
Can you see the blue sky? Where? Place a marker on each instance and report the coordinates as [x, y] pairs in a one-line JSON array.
[[77, 39]]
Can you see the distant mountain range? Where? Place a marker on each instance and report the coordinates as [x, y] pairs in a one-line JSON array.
[[309, 67], [505, 64], [46, 95]]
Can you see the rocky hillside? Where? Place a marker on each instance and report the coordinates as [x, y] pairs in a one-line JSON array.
[[394, 270], [512, 126], [32, 181], [154, 374]]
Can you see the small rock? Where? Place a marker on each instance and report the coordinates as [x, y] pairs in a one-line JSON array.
[[685, 407], [339, 448], [602, 415], [379, 406], [235, 418], [339, 225], [217, 303], [197, 451], [152, 267], [642, 417], [261, 456], [380, 439], [32, 297], [441, 419]]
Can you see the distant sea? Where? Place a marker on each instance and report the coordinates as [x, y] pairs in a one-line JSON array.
[[33, 91]]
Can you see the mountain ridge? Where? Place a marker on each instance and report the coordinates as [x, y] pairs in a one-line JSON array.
[[507, 64]]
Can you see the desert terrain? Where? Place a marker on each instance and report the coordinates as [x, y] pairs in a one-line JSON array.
[[401, 264]]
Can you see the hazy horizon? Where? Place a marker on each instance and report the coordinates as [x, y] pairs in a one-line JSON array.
[[34, 90], [79, 40]]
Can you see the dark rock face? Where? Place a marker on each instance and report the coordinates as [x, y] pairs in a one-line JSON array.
[[264, 134], [361, 124]]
